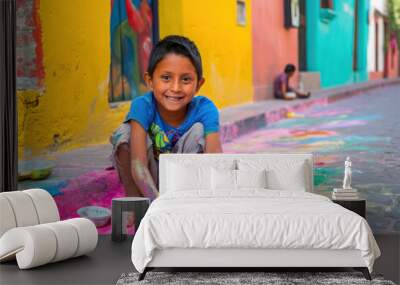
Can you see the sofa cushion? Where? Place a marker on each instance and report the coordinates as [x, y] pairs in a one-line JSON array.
[[45, 205], [23, 208], [40, 244], [27, 208], [7, 216]]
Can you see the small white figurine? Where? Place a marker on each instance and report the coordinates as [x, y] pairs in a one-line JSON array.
[[347, 174]]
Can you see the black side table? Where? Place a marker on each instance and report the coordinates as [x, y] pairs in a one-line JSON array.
[[137, 205], [358, 206]]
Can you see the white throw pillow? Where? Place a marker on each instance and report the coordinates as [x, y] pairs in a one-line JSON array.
[[293, 180], [188, 177], [285, 174], [251, 178], [223, 179]]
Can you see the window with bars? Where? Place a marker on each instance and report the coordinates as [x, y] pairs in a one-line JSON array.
[[241, 12]]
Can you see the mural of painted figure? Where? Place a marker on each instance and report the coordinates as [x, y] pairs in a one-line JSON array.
[[131, 44]]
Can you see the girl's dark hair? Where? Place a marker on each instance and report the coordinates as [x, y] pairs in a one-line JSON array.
[[178, 45], [289, 68]]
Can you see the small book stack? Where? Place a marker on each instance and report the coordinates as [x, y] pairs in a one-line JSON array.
[[345, 194]]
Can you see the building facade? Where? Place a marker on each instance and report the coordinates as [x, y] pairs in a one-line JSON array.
[[382, 43], [78, 71], [336, 45], [222, 32], [273, 45]]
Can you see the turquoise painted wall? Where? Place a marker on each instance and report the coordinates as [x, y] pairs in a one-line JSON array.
[[330, 41], [361, 74]]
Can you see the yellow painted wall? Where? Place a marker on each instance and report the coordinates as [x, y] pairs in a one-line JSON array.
[[225, 47], [73, 109], [22, 98]]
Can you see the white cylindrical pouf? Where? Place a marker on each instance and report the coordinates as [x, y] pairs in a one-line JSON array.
[[87, 235], [67, 239], [23, 208], [7, 218], [45, 205]]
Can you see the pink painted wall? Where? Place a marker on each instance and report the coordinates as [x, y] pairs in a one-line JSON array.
[[273, 46]]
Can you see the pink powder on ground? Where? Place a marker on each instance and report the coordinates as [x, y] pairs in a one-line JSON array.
[[96, 188]]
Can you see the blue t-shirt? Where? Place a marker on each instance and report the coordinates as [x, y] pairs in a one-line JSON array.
[[144, 111]]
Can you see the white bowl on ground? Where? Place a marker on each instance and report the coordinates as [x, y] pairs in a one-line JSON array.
[[100, 216]]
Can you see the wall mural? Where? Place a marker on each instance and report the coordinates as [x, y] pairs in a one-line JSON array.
[[362, 127], [73, 184], [131, 44], [364, 131]]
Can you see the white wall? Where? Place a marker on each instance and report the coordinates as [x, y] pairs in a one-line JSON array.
[[379, 6]]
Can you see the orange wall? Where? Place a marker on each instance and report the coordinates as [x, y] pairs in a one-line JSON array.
[[373, 75], [392, 60], [273, 46], [391, 69]]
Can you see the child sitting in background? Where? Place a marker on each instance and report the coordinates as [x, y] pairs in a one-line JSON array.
[[168, 119], [282, 88]]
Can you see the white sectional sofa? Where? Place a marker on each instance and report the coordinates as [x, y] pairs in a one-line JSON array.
[[31, 231]]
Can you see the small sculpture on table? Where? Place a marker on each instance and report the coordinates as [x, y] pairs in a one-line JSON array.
[[346, 192], [347, 174]]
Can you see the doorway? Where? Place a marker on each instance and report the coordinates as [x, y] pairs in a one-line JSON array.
[[302, 36]]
